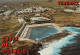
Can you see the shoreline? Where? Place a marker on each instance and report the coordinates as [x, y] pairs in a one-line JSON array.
[[67, 25], [72, 49], [68, 47], [57, 36]]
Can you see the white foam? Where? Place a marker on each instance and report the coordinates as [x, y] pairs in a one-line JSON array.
[[55, 47], [37, 39]]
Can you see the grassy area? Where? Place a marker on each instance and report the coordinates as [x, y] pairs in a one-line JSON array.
[[62, 18], [67, 19], [9, 26]]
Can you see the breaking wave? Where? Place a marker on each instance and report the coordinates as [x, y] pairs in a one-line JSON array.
[[55, 47]]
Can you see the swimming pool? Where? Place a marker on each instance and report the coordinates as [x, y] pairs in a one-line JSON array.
[[39, 33]]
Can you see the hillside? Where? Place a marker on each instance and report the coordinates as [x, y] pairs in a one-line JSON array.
[[48, 3]]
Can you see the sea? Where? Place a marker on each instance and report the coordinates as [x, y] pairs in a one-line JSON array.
[[69, 45]]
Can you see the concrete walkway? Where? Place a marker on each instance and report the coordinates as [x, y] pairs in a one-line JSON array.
[[27, 30]]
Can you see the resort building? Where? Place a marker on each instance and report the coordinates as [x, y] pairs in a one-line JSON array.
[[68, 10], [78, 8], [39, 20], [75, 10], [32, 10], [7, 13]]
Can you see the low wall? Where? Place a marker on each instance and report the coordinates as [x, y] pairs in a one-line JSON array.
[[20, 31]]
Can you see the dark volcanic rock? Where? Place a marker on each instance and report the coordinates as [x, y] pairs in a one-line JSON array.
[[31, 49], [57, 36], [72, 49]]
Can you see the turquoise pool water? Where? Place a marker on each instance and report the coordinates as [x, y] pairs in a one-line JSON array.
[[42, 32]]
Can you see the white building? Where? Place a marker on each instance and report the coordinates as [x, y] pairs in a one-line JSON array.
[[38, 20], [78, 8], [68, 10], [32, 10]]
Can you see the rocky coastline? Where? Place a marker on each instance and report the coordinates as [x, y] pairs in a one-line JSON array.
[[57, 36], [62, 25], [72, 49], [31, 48]]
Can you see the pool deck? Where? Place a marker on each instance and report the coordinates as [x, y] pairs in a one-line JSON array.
[[27, 30]]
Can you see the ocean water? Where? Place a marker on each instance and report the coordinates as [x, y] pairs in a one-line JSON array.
[[73, 29], [42, 32], [55, 48]]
